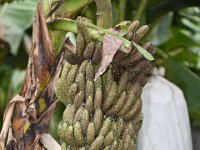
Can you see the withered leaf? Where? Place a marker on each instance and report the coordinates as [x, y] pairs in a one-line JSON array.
[[42, 59], [110, 46], [41, 70], [8, 115], [69, 45], [49, 142], [42, 123], [42, 51]]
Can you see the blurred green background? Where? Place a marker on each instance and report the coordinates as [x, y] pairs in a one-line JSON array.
[[175, 32]]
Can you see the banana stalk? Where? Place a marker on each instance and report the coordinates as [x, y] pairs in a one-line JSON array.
[[103, 113]]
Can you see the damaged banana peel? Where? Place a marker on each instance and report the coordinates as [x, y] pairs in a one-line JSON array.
[[101, 89]]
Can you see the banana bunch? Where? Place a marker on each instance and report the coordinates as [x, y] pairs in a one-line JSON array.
[[106, 113]]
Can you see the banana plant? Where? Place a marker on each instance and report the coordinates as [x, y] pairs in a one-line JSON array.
[[104, 88], [98, 77]]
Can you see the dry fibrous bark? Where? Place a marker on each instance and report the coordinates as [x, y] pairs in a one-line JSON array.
[[103, 113]]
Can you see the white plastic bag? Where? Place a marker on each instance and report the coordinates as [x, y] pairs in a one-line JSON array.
[[166, 123]]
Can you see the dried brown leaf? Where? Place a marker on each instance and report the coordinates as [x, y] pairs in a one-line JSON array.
[[38, 84], [42, 51], [69, 46], [110, 47], [8, 115], [49, 142]]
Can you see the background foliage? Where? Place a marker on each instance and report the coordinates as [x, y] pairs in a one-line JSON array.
[[174, 32]]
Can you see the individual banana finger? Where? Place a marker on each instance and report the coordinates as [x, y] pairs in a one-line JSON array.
[[89, 71], [123, 82], [78, 134], [89, 104], [61, 93], [138, 127], [69, 136], [82, 68], [131, 60], [129, 129], [96, 58], [142, 77], [62, 129], [62, 86], [142, 67], [89, 50], [111, 97], [131, 29], [136, 56], [118, 105], [138, 119], [89, 91], [82, 29], [66, 70], [134, 111], [109, 139], [109, 78], [68, 114], [107, 124], [84, 121], [90, 136], [141, 32], [72, 92], [148, 46], [119, 127], [136, 89], [97, 144], [78, 100], [135, 69], [128, 104], [98, 98], [98, 83], [80, 46], [128, 86], [151, 49], [97, 119], [72, 75], [80, 81], [78, 115]]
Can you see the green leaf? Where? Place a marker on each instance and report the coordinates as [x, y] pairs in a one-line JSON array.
[[162, 32], [18, 13], [144, 52], [15, 18], [13, 36], [96, 32], [188, 82], [180, 38], [157, 8]]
